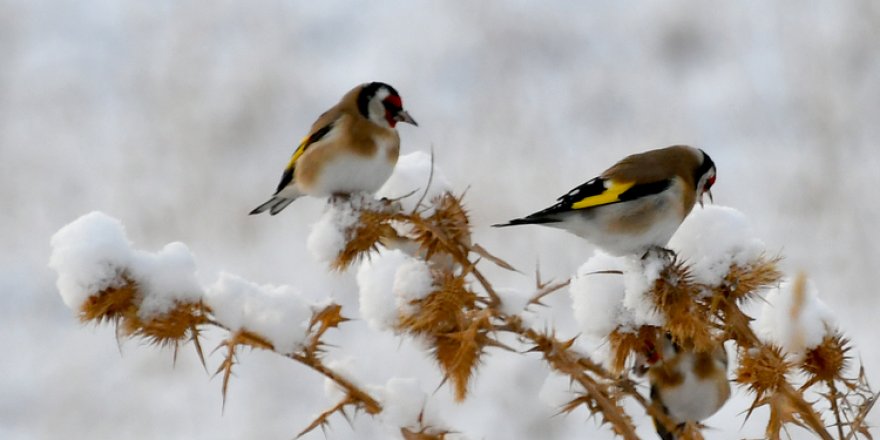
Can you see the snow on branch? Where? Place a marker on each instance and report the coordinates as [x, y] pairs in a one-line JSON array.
[[419, 276]]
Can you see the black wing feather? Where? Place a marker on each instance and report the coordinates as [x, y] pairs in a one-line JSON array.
[[592, 188], [315, 137]]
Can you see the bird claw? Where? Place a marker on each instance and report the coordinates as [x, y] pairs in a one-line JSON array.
[[659, 252]]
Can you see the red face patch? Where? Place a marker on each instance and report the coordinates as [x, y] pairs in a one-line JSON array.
[[394, 100]]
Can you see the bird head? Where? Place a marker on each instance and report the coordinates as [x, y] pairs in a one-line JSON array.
[[381, 104], [705, 178]]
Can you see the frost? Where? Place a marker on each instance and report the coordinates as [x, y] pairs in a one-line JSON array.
[[278, 313], [713, 238], [793, 318], [89, 255]]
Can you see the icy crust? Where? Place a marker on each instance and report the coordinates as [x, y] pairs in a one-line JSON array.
[[278, 313], [713, 238], [794, 318], [93, 253], [388, 283]]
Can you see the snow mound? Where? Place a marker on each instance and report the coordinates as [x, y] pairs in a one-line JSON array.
[[387, 284], [794, 318], [92, 253], [278, 313], [712, 239]]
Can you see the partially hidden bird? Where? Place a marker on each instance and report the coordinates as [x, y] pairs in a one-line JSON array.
[[352, 147], [637, 204], [686, 385]]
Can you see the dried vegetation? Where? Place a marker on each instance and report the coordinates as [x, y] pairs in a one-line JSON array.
[[462, 318]]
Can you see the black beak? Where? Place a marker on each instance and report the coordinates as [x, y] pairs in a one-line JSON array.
[[403, 116]]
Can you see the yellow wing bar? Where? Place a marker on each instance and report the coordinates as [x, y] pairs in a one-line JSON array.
[[298, 152], [610, 195]]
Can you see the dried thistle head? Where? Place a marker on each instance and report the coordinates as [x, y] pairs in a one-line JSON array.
[[643, 345], [171, 328], [364, 236], [743, 282], [675, 295], [763, 369], [446, 230], [458, 354], [456, 330], [827, 361], [112, 304], [443, 310]]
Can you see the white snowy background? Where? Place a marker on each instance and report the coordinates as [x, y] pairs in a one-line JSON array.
[[178, 117]]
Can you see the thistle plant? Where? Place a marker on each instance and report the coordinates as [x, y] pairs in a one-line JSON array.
[[440, 295]]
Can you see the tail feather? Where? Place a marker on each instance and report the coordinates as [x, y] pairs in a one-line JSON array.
[[274, 205], [528, 221]]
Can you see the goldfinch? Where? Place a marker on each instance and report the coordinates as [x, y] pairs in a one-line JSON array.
[[637, 204], [687, 386], [352, 147]]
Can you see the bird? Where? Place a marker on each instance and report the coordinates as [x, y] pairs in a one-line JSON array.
[[636, 205], [352, 147], [687, 385]]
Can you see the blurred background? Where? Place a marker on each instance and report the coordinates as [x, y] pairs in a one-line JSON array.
[[177, 117]]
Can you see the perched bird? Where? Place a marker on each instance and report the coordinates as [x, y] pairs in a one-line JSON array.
[[352, 147], [637, 204], [687, 386]]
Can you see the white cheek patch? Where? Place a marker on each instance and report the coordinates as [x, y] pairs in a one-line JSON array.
[[377, 110]]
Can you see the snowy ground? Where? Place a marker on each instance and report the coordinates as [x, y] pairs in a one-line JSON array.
[[177, 118]]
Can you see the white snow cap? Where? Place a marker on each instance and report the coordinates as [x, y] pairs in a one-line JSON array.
[[411, 174], [387, 283], [278, 313], [795, 319], [89, 255], [165, 278], [604, 301], [93, 253], [713, 238]]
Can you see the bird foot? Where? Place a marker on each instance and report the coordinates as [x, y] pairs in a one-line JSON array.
[[659, 252]]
